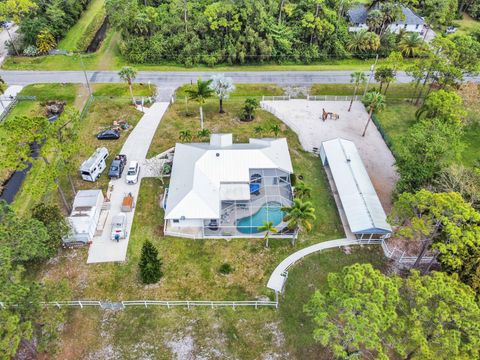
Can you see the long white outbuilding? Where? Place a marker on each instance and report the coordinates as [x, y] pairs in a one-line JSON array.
[[363, 210]]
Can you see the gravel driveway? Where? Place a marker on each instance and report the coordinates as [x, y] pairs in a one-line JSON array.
[[304, 117]]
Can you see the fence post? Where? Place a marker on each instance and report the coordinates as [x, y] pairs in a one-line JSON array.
[[168, 305], [145, 303], [58, 305], [80, 303], [188, 305]]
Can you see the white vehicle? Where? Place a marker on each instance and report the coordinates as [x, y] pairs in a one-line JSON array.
[[133, 172], [119, 227], [92, 168]]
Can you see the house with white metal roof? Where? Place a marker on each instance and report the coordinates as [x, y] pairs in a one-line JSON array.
[[359, 201], [221, 189]]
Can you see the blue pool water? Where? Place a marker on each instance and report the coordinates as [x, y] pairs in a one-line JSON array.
[[250, 224]]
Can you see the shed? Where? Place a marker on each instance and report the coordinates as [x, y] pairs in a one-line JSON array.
[[84, 217], [363, 210]]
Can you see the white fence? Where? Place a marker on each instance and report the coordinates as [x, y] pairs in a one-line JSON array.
[[274, 98], [146, 303], [399, 255], [333, 98]]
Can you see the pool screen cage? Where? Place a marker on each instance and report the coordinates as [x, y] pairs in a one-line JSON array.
[[269, 191]]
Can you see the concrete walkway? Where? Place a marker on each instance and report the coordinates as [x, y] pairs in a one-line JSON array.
[[103, 249], [279, 276]]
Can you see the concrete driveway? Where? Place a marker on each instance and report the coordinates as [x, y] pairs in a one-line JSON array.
[[304, 117], [103, 249]]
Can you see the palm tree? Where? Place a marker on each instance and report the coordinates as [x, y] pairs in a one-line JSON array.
[[185, 135], [258, 130], [275, 128], [375, 20], [200, 94], [269, 228], [203, 134], [356, 78], [411, 44], [373, 101], [222, 86], [302, 190], [357, 41], [128, 74], [299, 215]]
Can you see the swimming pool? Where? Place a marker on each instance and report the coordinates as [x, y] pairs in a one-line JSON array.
[[270, 211]]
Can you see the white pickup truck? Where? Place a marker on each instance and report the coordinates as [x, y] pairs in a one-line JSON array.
[[119, 227]]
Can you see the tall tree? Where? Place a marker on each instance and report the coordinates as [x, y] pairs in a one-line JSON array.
[[150, 264], [54, 221], [200, 93], [302, 190], [128, 74], [222, 86], [354, 312], [442, 222], [373, 101], [411, 45], [299, 216], [443, 105], [357, 78]]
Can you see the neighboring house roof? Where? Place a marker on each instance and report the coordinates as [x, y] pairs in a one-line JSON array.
[[203, 174], [358, 15], [359, 199]]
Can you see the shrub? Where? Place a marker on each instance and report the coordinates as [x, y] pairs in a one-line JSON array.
[[251, 104], [150, 264], [225, 269], [30, 50]]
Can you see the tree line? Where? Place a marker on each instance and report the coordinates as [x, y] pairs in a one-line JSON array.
[[237, 32]]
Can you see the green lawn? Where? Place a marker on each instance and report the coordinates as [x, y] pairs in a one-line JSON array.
[[399, 115], [77, 35], [466, 25], [395, 91]]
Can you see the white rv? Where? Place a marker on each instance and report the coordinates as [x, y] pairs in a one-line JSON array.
[[84, 217], [92, 168]]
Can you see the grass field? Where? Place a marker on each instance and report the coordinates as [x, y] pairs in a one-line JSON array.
[[399, 115], [395, 91], [161, 333], [466, 25], [73, 38]]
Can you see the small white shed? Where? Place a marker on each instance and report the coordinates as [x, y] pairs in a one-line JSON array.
[[84, 217], [363, 210]]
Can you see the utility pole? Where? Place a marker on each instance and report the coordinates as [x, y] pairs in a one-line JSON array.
[[372, 70], [86, 77]]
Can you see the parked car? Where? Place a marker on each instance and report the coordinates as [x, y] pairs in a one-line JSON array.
[[117, 166], [108, 135], [119, 227], [133, 172]]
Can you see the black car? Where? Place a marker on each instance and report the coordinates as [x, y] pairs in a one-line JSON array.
[[108, 135], [118, 164]]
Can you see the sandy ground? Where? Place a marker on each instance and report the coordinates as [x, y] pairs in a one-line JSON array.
[[304, 117]]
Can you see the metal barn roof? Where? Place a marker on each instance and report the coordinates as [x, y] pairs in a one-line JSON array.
[[359, 199], [203, 174]]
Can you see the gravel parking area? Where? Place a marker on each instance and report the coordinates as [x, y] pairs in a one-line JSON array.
[[305, 118]]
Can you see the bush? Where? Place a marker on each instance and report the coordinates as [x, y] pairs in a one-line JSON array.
[[150, 264], [57, 227], [251, 104], [30, 50], [225, 269]]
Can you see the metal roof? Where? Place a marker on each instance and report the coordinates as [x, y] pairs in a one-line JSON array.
[[359, 199], [358, 15], [200, 169]]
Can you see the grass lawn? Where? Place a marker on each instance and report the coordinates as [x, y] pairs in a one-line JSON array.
[[247, 333], [400, 115], [395, 91], [466, 25], [71, 41]]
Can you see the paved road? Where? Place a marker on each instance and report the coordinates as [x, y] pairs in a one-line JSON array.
[[174, 79]]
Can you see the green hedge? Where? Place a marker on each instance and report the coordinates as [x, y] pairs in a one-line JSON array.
[[91, 30]]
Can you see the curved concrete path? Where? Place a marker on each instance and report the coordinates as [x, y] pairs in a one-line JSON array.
[[278, 278]]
